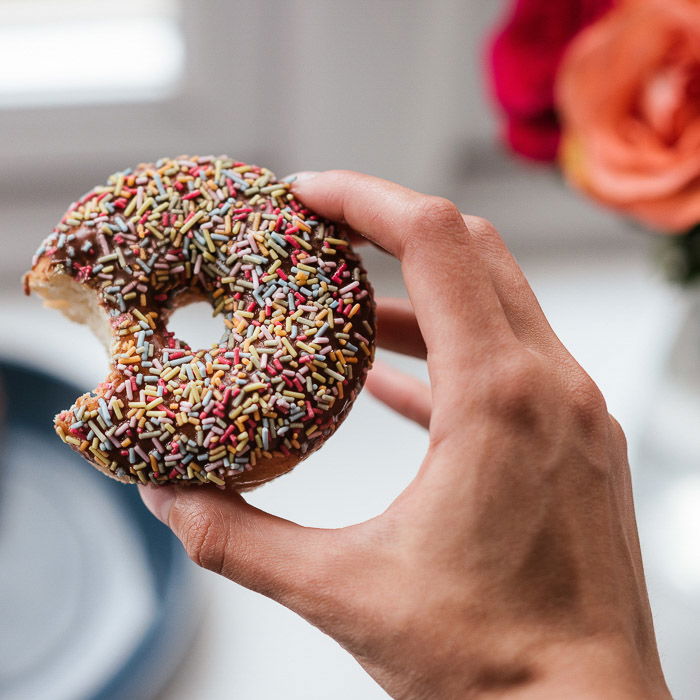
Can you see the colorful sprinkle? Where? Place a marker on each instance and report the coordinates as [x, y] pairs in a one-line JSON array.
[[295, 302]]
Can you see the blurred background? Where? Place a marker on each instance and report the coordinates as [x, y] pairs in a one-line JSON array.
[[390, 87]]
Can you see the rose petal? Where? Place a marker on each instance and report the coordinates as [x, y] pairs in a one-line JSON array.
[[523, 58], [628, 99]]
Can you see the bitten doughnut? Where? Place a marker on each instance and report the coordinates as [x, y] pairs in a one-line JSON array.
[[296, 304]]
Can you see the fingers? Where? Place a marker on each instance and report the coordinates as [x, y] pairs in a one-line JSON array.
[[382, 211], [397, 328], [519, 302], [403, 393], [455, 304], [270, 555]]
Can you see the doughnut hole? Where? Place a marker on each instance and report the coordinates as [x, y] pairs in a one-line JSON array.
[[194, 324]]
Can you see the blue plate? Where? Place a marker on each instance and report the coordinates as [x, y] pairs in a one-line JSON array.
[[96, 596]]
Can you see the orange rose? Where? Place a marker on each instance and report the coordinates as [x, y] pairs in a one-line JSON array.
[[629, 97]]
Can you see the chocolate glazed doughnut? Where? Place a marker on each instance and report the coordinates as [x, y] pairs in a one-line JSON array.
[[297, 307]]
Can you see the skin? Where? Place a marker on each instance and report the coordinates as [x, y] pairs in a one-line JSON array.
[[510, 566]]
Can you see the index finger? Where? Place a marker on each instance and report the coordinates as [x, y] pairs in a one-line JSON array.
[[455, 303]]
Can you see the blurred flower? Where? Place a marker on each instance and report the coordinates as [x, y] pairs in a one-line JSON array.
[[524, 56], [629, 97]]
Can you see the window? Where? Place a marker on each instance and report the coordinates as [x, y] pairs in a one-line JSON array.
[[88, 51]]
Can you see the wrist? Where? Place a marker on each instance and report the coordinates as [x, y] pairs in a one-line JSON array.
[[596, 667], [518, 667]]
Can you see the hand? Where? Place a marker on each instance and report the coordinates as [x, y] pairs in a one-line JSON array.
[[510, 566]]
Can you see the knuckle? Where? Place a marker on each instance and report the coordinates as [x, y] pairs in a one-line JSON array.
[[479, 226], [445, 209], [518, 391], [586, 403], [489, 241], [433, 211], [432, 220], [203, 536], [618, 434], [516, 375]]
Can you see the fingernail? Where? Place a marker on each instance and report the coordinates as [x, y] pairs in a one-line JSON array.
[[301, 176], [159, 500]]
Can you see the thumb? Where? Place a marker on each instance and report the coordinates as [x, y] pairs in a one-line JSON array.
[[292, 564]]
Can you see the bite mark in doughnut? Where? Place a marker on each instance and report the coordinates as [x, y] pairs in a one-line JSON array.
[[295, 301]]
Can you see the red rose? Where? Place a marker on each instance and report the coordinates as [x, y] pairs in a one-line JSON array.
[[524, 56]]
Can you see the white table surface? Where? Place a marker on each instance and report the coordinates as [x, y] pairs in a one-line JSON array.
[[610, 308]]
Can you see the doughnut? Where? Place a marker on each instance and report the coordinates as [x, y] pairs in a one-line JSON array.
[[297, 309]]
